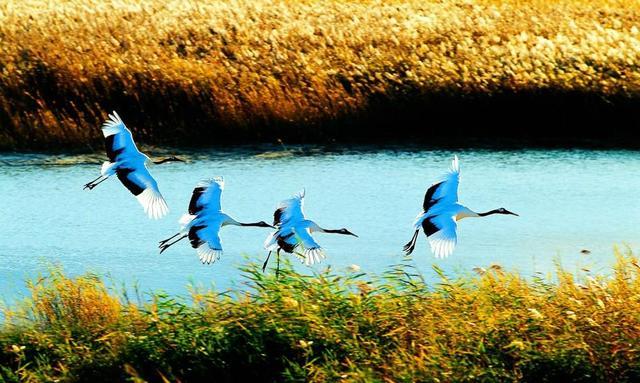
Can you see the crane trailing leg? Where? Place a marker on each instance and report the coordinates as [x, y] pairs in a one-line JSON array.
[[264, 265], [277, 263], [93, 183], [164, 245], [108, 169], [408, 248]]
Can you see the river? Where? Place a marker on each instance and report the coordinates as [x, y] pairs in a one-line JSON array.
[[568, 201]]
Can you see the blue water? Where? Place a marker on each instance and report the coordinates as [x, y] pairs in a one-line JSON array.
[[567, 200]]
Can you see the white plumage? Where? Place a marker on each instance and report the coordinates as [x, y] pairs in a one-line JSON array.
[[153, 203], [204, 230], [204, 220], [209, 245], [292, 209], [294, 231], [440, 213], [444, 241], [130, 166], [209, 199]]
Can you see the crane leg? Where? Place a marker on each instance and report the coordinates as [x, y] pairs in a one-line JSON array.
[[408, 248], [168, 239], [93, 183], [264, 265], [277, 263], [167, 245]]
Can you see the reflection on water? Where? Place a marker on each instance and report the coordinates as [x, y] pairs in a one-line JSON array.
[[568, 201]]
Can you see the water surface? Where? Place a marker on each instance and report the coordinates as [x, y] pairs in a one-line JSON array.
[[568, 201]]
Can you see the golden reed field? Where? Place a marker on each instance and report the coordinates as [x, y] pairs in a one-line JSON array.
[[195, 71]]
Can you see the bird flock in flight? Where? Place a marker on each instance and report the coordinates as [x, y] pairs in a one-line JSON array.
[[293, 231]]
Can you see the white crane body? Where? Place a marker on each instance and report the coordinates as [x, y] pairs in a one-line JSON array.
[[441, 212], [204, 220], [294, 230], [130, 166]]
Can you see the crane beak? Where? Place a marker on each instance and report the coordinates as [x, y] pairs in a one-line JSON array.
[[517, 215], [350, 233]]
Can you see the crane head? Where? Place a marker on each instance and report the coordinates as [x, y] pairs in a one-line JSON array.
[[505, 211], [345, 232]]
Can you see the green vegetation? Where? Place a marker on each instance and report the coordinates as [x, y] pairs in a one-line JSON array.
[[247, 71], [495, 326]]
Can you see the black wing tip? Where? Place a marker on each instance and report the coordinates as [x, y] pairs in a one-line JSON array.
[[429, 227], [428, 196], [277, 215]]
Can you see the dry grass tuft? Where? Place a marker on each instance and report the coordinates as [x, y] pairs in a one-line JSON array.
[[325, 327]]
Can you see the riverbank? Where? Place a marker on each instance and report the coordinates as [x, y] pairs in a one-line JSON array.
[[545, 72], [494, 326]]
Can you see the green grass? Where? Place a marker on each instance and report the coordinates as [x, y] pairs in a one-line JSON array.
[[495, 326]]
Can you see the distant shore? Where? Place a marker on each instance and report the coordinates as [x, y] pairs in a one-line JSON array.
[[346, 326], [542, 73]]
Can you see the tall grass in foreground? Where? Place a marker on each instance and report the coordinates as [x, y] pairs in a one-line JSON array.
[[256, 69], [496, 326]]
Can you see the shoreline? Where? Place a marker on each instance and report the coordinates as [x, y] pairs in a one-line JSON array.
[[530, 120]]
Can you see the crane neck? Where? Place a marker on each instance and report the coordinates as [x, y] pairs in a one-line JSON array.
[[255, 224], [312, 226], [337, 231], [494, 211], [465, 212], [168, 159]]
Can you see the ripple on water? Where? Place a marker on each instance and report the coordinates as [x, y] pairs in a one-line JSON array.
[[568, 200]]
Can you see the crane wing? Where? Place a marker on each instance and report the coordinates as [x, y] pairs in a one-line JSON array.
[[289, 210], [283, 238], [441, 233], [142, 185], [207, 195], [271, 243], [206, 240], [118, 140], [446, 190], [312, 252]]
